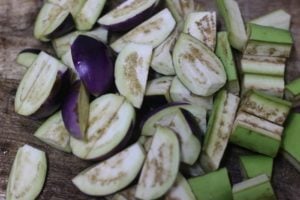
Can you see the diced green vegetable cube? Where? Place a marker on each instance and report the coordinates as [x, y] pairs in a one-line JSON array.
[[255, 165]]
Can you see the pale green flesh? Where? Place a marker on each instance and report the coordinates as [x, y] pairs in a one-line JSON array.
[[254, 165]]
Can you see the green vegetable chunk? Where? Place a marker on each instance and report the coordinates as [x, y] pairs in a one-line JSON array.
[[255, 165]]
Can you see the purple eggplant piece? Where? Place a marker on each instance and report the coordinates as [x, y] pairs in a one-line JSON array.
[[193, 124], [53, 103], [75, 110], [131, 22], [31, 50], [93, 62], [67, 26]]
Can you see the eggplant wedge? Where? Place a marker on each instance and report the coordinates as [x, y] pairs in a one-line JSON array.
[[73, 6], [131, 72], [276, 19], [109, 130], [179, 93], [161, 166], [181, 8], [268, 41], [75, 110], [128, 14], [54, 133], [28, 174], [197, 67], [27, 56], [151, 32], [202, 26], [41, 90], [224, 52], [113, 174], [219, 129]]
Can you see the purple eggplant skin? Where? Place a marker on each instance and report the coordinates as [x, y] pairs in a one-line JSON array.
[[133, 21], [193, 124], [64, 28], [53, 103], [94, 64], [30, 50], [70, 111], [153, 102]]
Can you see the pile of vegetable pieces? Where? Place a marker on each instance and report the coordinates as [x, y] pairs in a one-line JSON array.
[[139, 105]]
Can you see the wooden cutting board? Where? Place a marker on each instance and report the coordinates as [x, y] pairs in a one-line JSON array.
[[16, 19]]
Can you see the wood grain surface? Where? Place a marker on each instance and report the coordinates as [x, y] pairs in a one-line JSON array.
[[16, 20]]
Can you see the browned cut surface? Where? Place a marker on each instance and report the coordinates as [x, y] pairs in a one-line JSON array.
[[16, 18]]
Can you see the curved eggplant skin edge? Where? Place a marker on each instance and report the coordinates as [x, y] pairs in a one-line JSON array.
[[93, 62], [76, 103], [131, 22], [67, 26], [56, 96]]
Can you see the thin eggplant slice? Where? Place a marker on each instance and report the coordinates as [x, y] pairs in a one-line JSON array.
[[161, 166], [180, 190], [159, 87], [197, 67], [128, 14], [165, 114], [277, 19], [93, 63], [179, 93], [181, 8], [75, 110], [131, 72], [230, 11], [27, 175], [73, 6], [202, 26], [112, 174], [219, 129], [152, 32], [27, 56], [111, 118], [162, 61], [40, 91], [88, 14], [54, 133]]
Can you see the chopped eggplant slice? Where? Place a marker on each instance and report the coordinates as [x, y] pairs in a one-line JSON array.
[[290, 144], [41, 90], [181, 8], [215, 185], [253, 189], [94, 65], [276, 19], [202, 26], [256, 134], [179, 93], [266, 107], [75, 110], [197, 67], [52, 22], [292, 91], [180, 190], [88, 14], [268, 41], [27, 175], [219, 129], [224, 52], [131, 72], [112, 174], [151, 32], [273, 66], [127, 194], [255, 165], [27, 56], [230, 11], [165, 114], [54, 133], [269, 85], [109, 128], [161, 166], [128, 14], [73, 6], [162, 61], [62, 44]]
